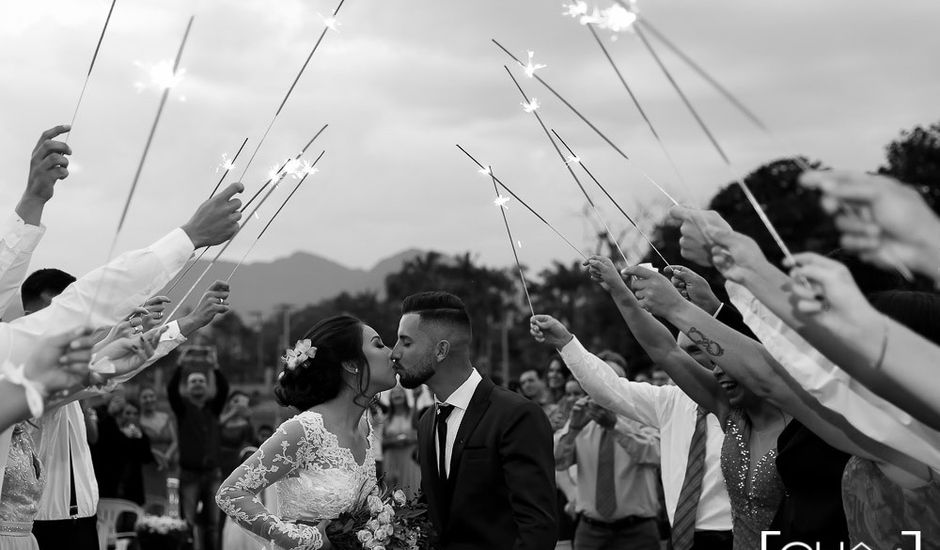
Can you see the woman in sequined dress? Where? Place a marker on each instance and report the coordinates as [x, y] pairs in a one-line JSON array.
[[22, 487]]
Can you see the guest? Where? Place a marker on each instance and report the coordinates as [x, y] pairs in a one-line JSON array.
[[197, 415], [616, 485], [160, 429], [135, 452], [690, 440], [659, 377], [532, 385], [236, 431], [556, 375], [399, 443]]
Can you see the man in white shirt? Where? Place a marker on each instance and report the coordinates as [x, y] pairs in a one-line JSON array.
[[616, 488], [677, 417]]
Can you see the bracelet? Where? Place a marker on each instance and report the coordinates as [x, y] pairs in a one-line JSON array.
[[36, 392], [717, 311], [884, 347]]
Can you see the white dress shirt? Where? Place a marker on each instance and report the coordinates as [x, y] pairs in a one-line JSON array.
[[18, 240], [62, 431], [673, 413], [636, 457], [460, 399], [100, 298], [835, 389]]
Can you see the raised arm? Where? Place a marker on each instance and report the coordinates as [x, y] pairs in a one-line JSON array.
[[278, 457], [525, 451], [173, 394], [695, 380], [221, 390], [631, 399]]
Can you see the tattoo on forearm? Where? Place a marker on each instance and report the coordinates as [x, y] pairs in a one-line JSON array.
[[707, 345]]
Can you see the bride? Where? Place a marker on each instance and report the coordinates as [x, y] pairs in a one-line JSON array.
[[321, 461]]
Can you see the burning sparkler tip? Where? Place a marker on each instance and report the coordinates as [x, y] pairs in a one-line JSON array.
[[501, 201]]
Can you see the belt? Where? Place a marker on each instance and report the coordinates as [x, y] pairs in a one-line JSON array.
[[16, 528], [621, 523]]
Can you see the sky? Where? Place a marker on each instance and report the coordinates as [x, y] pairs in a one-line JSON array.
[[402, 81]]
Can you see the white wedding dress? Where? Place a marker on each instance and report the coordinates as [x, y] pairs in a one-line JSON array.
[[315, 478]]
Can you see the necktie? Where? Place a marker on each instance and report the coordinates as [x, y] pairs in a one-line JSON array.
[[443, 411], [605, 494], [683, 523]]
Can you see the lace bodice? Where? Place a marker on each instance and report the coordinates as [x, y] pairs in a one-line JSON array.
[[315, 478]]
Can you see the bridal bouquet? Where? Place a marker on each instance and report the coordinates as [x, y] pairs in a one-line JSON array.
[[384, 520]]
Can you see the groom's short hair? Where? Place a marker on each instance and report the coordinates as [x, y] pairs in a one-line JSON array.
[[438, 306]]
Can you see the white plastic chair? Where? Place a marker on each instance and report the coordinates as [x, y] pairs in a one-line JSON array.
[[109, 509]]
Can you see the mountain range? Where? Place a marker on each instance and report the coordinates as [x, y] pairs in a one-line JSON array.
[[300, 279]]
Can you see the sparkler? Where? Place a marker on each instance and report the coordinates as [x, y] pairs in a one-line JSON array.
[[91, 66], [567, 164], [281, 177], [724, 157], [283, 167], [488, 172], [512, 242], [309, 169], [589, 123], [329, 24], [612, 199], [531, 66], [636, 103], [227, 165]]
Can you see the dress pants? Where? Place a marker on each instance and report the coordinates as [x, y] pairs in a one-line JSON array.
[[642, 535], [74, 534]]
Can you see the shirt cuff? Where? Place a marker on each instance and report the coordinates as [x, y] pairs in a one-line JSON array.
[[20, 234], [573, 351], [173, 250]]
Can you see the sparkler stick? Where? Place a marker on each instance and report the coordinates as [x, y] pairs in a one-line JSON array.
[[283, 204], [91, 66], [228, 167], [561, 156], [711, 138], [143, 157], [512, 242], [589, 123], [258, 192], [290, 90], [609, 196], [636, 102], [750, 115], [485, 170], [280, 176]]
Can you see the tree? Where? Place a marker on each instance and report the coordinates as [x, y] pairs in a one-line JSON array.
[[914, 158]]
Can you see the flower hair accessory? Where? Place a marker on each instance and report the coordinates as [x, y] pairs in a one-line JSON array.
[[302, 351]]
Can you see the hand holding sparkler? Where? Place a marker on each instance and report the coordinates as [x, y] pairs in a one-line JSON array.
[[899, 225], [213, 303], [693, 287], [739, 258], [47, 165], [603, 270], [216, 220], [698, 228], [653, 291], [546, 329]]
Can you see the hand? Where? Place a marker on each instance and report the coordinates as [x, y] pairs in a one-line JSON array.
[[654, 292], [128, 354], [132, 431], [602, 270], [571, 508], [834, 298], [154, 309], [216, 220], [61, 362], [161, 461], [698, 228], [212, 304], [48, 164], [547, 329], [738, 257], [579, 414], [882, 220], [602, 416], [693, 287]]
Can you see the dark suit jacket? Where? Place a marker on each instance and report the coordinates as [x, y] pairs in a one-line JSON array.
[[501, 489]]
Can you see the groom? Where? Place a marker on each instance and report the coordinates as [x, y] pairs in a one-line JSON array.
[[487, 467]]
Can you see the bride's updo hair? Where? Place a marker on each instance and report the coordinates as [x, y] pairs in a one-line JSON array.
[[318, 379]]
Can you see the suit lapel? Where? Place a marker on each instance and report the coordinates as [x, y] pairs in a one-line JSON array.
[[478, 405]]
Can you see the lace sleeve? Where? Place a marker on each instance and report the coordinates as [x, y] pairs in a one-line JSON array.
[[279, 456]]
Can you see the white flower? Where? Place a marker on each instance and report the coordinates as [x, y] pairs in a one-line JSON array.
[[384, 517], [375, 504], [302, 351], [372, 525], [399, 497], [364, 536]]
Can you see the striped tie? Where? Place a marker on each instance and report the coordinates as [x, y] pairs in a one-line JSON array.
[[683, 523]]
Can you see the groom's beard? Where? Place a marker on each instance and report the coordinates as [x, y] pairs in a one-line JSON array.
[[413, 377]]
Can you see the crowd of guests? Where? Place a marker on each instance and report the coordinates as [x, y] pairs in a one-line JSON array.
[[799, 409]]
